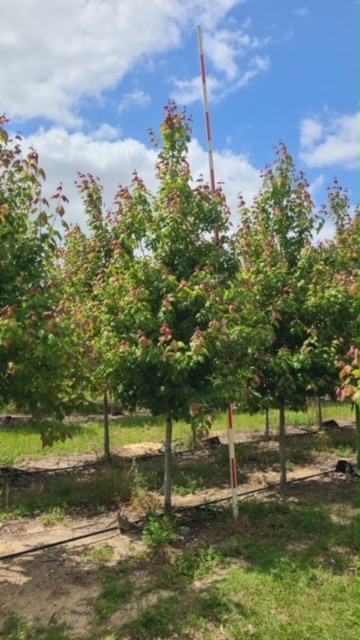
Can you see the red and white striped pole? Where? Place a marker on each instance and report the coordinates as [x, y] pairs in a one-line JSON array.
[[233, 475]]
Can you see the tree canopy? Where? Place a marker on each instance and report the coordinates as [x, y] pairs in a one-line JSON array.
[[36, 350]]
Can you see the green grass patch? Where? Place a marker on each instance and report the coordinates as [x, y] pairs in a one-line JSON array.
[[23, 441], [289, 577], [95, 490], [284, 605], [342, 441], [283, 571], [188, 476], [286, 570], [105, 487], [116, 591], [102, 555], [57, 515], [17, 628], [194, 563]]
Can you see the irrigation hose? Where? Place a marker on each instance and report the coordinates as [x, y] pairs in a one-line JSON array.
[[28, 472], [56, 544], [248, 493], [50, 545]]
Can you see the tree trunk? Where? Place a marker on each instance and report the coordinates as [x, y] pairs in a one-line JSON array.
[[282, 447], [167, 479], [107, 453], [320, 416], [357, 433], [267, 425]]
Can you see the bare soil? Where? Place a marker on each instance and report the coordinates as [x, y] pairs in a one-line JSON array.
[[62, 584]]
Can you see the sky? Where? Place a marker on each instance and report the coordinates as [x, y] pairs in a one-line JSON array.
[[84, 80]]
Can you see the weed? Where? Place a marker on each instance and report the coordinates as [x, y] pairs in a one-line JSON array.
[[103, 554], [183, 615], [192, 477], [344, 451], [17, 628], [157, 621], [158, 533], [300, 455], [103, 487], [339, 440], [139, 478], [197, 563], [114, 593], [186, 485], [56, 515]]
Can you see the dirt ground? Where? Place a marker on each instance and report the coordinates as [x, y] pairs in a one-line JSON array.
[[62, 584]]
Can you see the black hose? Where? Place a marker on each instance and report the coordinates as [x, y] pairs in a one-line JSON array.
[[16, 471], [248, 493], [177, 510], [147, 456], [56, 544]]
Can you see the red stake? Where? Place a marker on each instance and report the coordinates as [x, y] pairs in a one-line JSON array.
[[233, 477]]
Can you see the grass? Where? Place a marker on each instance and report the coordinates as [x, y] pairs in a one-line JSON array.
[[103, 488], [115, 592], [286, 570], [283, 571], [284, 575], [94, 491], [16, 628], [23, 441], [55, 516], [101, 554]]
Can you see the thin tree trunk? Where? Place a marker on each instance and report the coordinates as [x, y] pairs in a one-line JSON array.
[[167, 479], [107, 453], [282, 447], [320, 415], [357, 433], [267, 425]]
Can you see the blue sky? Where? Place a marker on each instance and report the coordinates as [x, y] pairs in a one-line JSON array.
[[84, 79]]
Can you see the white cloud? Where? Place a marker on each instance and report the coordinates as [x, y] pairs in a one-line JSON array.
[[63, 154], [234, 170], [301, 11], [333, 143], [230, 52], [316, 184], [188, 91], [224, 48], [136, 98], [310, 131], [260, 63], [208, 14], [53, 54], [257, 64], [106, 132], [326, 232]]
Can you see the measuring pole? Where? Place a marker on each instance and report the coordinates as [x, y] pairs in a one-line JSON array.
[[233, 476]]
